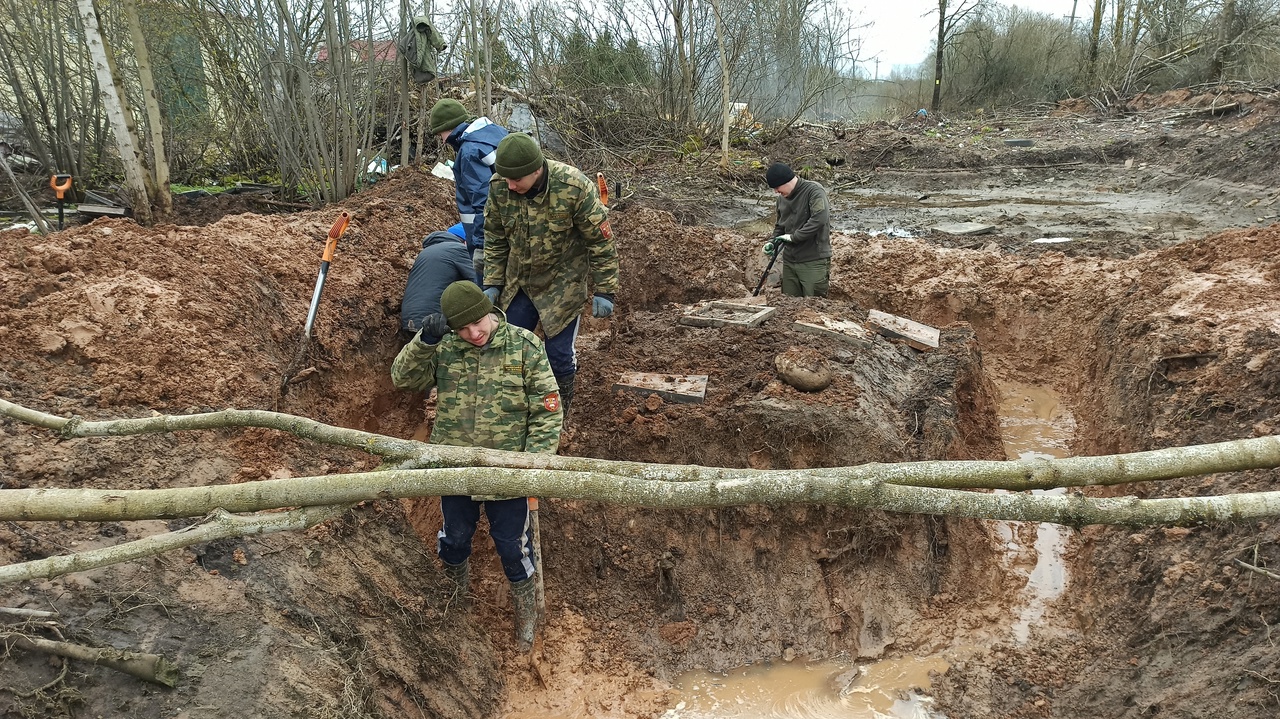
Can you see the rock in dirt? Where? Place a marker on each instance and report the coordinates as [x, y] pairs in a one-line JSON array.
[[804, 369]]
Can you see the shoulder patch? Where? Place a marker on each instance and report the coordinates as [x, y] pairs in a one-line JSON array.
[[607, 230], [551, 402]]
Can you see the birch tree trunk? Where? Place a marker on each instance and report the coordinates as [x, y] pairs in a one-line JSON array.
[[404, 89], [162, 197], [724, 84], [116, 105]]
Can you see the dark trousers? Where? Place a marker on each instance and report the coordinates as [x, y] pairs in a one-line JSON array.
[[509, 526], [560, 348]]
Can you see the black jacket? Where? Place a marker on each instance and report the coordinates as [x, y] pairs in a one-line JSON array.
[[444, 259]]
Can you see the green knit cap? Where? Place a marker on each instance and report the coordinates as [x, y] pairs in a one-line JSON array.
[[448, 114], [518, 155], [463, 302]]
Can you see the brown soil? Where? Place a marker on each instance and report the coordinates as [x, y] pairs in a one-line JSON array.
[[1173, 346]]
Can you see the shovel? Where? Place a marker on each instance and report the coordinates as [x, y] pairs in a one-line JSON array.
[[535, 653], [60, 183], [299, 357]]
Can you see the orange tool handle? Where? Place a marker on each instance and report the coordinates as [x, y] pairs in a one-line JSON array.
[[604, 188], [533, 504], [60, 187], [335, 233]]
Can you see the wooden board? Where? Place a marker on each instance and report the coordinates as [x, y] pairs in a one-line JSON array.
[[101, 210], [682, 388], [964, 228], [720, 313], [832, 328], [921, 337]]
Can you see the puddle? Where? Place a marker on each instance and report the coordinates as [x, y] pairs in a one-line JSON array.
[[889, 689], [1033, 423]]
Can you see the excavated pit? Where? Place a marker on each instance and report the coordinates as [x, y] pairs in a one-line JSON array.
[[352, 618]]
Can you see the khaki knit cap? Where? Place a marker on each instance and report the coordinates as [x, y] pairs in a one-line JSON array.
[[518, 155], [448, 114], [463, 302]]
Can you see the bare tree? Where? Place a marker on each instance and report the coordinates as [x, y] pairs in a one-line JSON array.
[[116, 102], [951, 17], [161, 197]]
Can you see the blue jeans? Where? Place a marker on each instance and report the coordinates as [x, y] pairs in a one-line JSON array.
[[509, 526], [560, 348]]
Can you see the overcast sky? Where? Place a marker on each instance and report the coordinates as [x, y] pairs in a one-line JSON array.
[[903, 30]]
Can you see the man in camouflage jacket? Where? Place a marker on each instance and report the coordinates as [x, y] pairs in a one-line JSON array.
[[547, 236], [494, 389]]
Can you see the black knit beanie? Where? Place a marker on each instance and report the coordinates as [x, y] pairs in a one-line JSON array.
[[778, 175], [463, 302], [518, 155]]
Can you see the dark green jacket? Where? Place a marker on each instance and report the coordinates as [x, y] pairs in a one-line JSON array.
[[422, 46], [550, 246], [805, 215], [500, 396]]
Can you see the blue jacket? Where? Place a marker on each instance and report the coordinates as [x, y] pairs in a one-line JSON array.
[[444, 259], [475, 143]]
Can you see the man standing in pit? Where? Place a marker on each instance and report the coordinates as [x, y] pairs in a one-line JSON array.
[[494, 389], [443, 260], [474, 140], [803, 229], [547, 238]]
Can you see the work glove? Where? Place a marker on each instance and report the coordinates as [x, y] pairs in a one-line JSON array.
[[774, 246], [492, 292], [601, 305], [434, 327], [477, 258]]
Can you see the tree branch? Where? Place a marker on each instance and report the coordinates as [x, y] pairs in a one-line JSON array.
[[148, 667], [751, 487], [1016, 475], [219, 526]]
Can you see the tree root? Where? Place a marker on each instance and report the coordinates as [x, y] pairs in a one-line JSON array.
[[147, 667]]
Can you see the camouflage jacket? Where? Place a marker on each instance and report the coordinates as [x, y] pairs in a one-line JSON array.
[[500, 396], [550, 245]]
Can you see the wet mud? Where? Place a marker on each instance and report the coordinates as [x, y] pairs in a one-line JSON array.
[[1147, 338]]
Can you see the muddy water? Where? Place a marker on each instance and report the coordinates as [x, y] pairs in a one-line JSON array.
[[1017, 203], [884, 690], [1033, 423]]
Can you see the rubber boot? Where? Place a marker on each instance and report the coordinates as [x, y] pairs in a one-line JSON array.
[[525, 596], [565, 382], [460, 575]]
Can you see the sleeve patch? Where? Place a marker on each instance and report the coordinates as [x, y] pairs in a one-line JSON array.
[[606, 230], [551, 402]]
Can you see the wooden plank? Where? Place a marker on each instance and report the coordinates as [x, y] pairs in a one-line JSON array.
[[102, 210], [919, 336], [720, 313], [684, 389], [964, 228], [831, 328]]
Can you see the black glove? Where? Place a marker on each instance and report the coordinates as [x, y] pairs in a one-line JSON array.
[[434, 328]]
